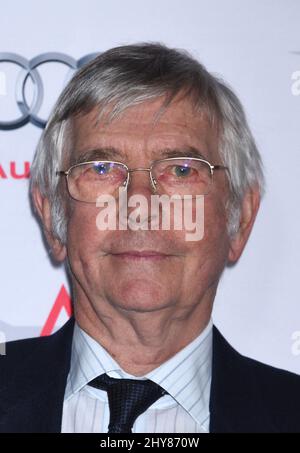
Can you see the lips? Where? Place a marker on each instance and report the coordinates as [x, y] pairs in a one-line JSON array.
[[140, 255]]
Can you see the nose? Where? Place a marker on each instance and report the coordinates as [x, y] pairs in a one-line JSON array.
[[140, 182], [139, 191]]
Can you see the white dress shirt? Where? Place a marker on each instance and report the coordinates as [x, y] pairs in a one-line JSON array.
[[186, 377]]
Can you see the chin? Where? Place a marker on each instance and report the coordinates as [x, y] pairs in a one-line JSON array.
[[141, 296]]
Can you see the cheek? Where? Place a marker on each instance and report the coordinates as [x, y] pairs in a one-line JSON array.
[[83, 237], [211, 251], [215, 217]]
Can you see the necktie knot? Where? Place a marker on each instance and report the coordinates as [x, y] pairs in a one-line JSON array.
[[127, 398]]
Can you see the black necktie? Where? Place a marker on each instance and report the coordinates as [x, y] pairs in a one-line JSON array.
[[127, 398]]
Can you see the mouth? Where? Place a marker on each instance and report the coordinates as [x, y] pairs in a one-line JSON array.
[[137, 255]]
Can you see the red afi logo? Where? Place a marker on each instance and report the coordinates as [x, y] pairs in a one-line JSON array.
[[63, 301]]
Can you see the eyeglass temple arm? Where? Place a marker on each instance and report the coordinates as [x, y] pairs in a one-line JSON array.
[[220, 167], [61, 173]]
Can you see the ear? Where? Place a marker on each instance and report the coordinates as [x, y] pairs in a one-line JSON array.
[[249, 210], [43, 210]]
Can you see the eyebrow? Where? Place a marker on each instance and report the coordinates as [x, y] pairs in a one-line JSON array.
[[113, 153], [97, 154], [185, 151]]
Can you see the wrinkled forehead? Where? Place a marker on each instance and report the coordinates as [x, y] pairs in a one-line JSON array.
[[149, 127]]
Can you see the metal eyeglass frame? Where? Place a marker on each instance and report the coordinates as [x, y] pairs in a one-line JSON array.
[[212, 168]]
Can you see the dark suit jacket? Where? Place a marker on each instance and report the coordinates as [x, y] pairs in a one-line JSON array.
[[246, 396]]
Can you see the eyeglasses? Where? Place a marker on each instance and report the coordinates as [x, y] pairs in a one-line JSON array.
[[171, 176]]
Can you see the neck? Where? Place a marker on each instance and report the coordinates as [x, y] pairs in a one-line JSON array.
[[141, 341]]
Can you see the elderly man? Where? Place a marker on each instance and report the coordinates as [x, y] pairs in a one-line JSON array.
[[141, 354]]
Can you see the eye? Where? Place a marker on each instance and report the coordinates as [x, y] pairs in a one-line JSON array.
[[181, 171], [102, 168]]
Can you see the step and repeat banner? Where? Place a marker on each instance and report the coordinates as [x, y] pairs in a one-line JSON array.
[[255, 47]]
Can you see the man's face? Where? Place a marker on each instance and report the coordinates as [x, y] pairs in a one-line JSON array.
[[172, 272]]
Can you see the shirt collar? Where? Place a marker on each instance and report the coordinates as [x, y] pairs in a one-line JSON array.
[[186, 376]]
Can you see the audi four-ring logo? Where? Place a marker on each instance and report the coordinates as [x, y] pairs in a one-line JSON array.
[[29, 69]]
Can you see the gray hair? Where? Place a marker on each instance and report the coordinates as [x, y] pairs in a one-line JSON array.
[[128, 75]]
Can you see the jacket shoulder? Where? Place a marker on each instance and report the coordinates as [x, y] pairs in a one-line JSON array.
[[268, 392], [19, 354], [33, 375]]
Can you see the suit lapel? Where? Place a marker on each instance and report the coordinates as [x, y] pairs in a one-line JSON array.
[[235, 400]]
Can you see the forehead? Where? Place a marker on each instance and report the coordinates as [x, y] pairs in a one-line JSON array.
[[147, 128]]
